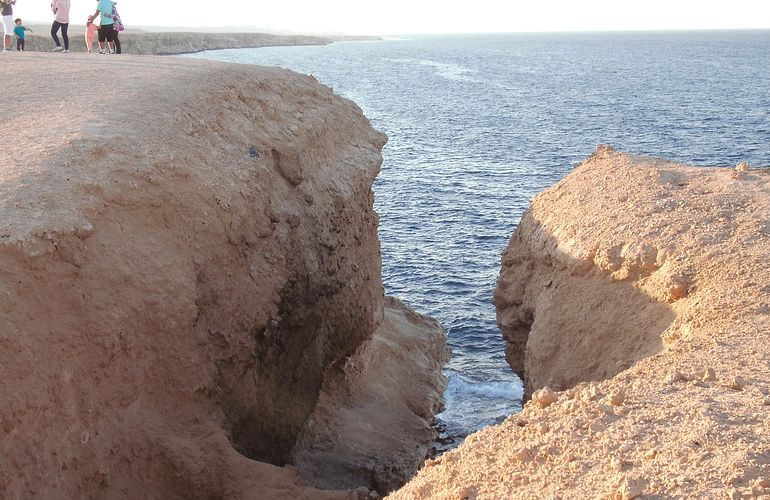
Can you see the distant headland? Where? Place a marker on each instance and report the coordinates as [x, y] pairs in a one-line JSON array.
[[174, 41]]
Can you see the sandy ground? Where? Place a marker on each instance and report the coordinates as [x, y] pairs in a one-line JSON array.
[[639, 291], [188, 255]]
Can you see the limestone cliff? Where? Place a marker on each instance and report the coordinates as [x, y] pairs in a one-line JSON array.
[[378, 401], [188, 261], [639, 289], [168, 43]]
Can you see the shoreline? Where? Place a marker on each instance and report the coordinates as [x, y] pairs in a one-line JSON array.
[[138, 42]]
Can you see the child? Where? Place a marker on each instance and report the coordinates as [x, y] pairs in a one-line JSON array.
[[91, 30], [21, 33]]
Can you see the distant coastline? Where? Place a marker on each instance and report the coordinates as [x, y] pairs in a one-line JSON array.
[[139, 42]]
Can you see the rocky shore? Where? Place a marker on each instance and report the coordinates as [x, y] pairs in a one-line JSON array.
[[138, 42], [634, 301], [191, 303]]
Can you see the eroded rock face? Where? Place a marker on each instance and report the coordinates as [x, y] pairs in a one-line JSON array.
[[394, 377], [183, 261], [567, 318], [636, 291]]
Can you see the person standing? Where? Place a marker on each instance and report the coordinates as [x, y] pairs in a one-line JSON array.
[[7, 13], [61, 10], [21, 34], [118, 27], [104, 9], [91, 30]]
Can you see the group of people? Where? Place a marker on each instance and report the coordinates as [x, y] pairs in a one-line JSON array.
[[106, 32]]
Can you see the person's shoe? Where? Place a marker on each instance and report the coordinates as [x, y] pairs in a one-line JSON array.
[[66, 51], [6, 50], [57, 49], [102, 51]]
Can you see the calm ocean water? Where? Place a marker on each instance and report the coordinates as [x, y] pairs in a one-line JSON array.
[[479, 124]]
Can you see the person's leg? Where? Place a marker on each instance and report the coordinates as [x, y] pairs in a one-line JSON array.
[[19, 42], [117, 43], [64, 28], [54, 30], [102, 39], [7, 30], [111, 38]]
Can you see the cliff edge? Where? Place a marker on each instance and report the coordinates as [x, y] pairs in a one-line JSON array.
[[634, 300], [136, 42], [189, 263]]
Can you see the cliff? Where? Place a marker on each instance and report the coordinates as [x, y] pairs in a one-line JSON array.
[[382, 404], [189, 263], [634, 298], [169, 43]]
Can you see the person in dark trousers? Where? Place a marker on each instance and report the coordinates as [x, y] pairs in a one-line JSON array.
[[118, 25], [61, 11], [21, 33]]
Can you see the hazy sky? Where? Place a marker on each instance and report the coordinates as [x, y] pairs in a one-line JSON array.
[[428, 16]]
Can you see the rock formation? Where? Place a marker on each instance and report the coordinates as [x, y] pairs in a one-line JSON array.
[[189, 262], [378, 402], [168, 43], [634, 297]]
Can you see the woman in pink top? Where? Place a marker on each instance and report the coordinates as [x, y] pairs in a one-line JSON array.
[[61, 10], [91, 30]]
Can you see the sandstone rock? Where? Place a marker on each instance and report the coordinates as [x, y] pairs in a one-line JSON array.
[[675, 376], [596, 427], [522, 455], [618, 397], [366, 389], [678, 289], [630, 489], [737, 383], [570, 320], [544, 397], [709, 375], [172, 309], [467, 493]]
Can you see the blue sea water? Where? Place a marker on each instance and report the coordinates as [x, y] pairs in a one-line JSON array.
[[479, 124]]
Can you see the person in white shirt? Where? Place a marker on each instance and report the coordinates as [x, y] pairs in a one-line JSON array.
[[8, 25]]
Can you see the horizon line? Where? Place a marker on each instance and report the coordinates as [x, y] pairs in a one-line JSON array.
[[321, 33]]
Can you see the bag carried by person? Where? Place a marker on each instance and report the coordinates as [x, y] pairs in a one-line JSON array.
[[116, 18]]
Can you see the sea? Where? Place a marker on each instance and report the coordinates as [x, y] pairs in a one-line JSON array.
[[478, 124]]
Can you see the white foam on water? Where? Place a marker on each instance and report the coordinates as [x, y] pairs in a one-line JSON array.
[[448, 71], [460, 387]]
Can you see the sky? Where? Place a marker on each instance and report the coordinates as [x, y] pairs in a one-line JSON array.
[[427, 16]]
